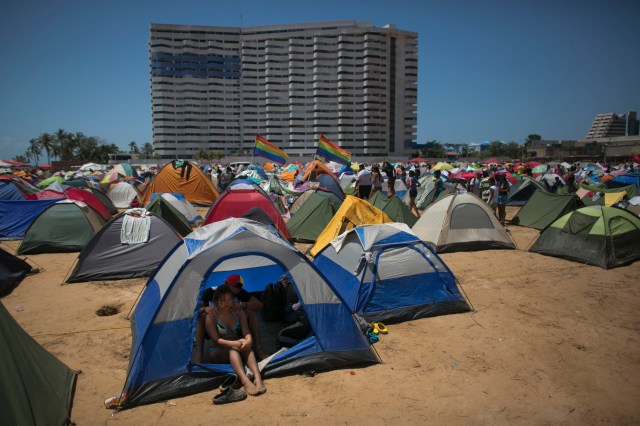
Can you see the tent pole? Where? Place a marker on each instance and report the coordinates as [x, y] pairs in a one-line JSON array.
[[135, 302], [69, 271], [465, 295]]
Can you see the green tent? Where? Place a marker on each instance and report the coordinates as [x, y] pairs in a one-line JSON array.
[[591, 190], [597, 235], [394, 208], [313, 216], [104, 199], [545, 207], [43, 184], [65, 226], [36, 388], [525, 190], [162, 208]]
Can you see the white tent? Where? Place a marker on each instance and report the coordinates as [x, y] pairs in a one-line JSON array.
[[122, 194], [185, 207], [461, 222]]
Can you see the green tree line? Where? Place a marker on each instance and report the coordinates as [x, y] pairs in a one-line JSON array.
[[69, 146], [513, 150]]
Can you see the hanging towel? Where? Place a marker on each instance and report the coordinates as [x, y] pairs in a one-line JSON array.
[[136, 225]]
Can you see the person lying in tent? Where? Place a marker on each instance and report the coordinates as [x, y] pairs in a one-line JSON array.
[[229, 331]]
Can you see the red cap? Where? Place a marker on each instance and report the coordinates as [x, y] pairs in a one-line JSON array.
[[234, 280]]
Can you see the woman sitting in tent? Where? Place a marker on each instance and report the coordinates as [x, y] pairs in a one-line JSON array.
[[230, 334]]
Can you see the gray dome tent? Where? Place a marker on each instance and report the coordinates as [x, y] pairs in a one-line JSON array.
[[106, 258]]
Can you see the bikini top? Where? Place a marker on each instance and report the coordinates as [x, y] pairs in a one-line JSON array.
[[223, 331]]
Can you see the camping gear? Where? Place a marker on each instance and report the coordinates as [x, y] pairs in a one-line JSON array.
[[183, 206], [162, 207], [597, 235], [164, 321], [16, 216], [182, 177], [461, 222], [36, 388], [106, 258], [122, 194], [525, 190], [312, 216], [543, 207], [394, 208], [240, 197], [386, 273], [12, 270], [352, 212], [65, 226]]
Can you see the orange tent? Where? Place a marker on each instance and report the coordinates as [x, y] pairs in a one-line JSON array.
[[182, 177], [316, 167], [289, 176]]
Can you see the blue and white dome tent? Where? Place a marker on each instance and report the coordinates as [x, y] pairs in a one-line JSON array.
[[386, 273], [164, 321]]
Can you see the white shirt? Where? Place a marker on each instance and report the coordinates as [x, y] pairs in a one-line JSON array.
[[364, 177]]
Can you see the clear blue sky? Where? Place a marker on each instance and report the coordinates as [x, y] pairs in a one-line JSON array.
[[488, 70]]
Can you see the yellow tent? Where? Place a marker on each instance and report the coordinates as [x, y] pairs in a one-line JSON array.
[[442, 166], [352, 212], [182, 177]]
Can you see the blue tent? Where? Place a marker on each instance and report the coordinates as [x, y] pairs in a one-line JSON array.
[[330, 184], [386, 273], [9, 191], [16, 216], [623, 180], [164, 321]]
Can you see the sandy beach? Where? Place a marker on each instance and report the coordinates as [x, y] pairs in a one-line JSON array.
[[549, 342]]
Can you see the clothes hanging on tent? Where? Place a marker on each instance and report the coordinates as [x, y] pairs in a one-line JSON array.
[[135, 227]]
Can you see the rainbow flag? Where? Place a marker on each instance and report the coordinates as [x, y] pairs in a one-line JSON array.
[[332, 152], [264, 148]]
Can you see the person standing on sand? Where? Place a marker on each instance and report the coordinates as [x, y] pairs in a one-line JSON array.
[[503, 195]]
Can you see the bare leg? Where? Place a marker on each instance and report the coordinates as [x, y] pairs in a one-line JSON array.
[[254, 329], [236, 362], [250, 359]]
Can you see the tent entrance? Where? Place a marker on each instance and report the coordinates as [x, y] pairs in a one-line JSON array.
[[257, 272]]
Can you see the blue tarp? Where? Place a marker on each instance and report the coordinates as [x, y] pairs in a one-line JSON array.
[[8, 191], [16, 216]]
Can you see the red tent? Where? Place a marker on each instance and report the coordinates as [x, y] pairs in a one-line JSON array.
[[89, 199], [44, 166], [237, 202]]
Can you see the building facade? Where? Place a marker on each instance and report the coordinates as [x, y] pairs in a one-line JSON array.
[[613, 125], [215, 88]]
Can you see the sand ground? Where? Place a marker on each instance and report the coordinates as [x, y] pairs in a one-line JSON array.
[[549, 342]]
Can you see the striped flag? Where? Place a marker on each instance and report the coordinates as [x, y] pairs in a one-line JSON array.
[[264, 148], [332, 152]]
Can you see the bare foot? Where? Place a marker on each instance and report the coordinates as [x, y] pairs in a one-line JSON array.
[[251, 389], [260, 386]]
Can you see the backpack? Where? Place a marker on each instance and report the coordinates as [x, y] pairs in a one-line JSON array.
[[274, 300]]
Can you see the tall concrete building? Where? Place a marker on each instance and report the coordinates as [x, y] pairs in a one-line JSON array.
[[611, 125], [216, 87]]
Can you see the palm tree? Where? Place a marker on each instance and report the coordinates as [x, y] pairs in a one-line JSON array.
[[21, 158], [34, 149], [64, 148], [46, 142], [133, 147], [201, 154], [147, 149]]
